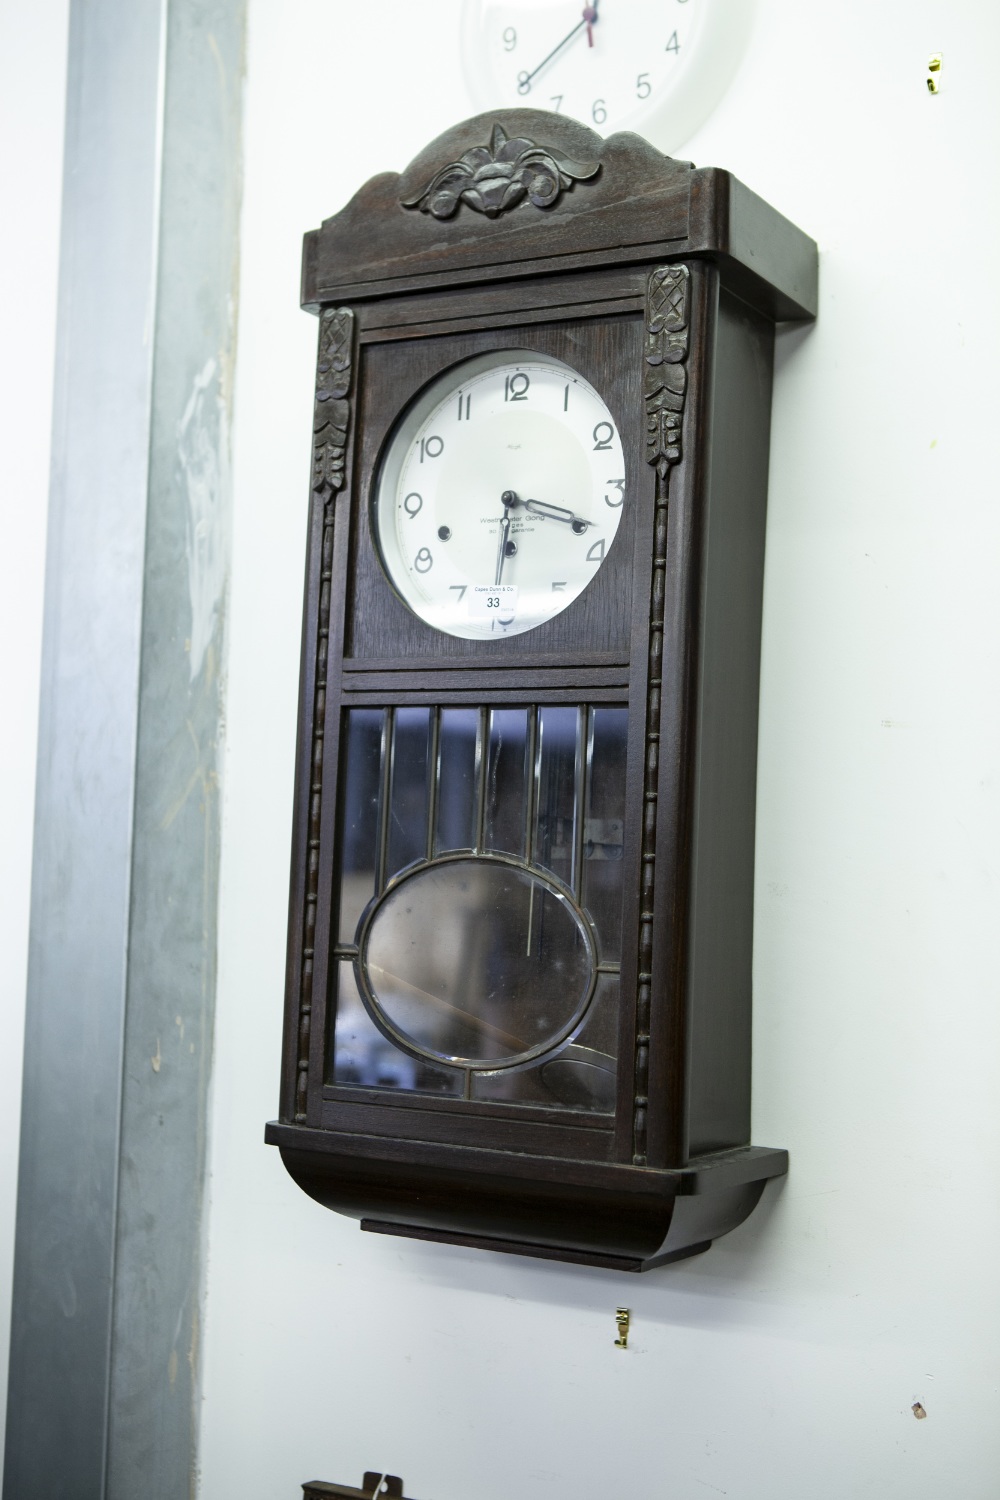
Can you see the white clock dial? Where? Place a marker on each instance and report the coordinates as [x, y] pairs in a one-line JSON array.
[[500, 495], [659, 66]]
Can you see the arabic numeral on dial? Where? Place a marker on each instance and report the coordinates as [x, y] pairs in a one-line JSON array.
[[523, 83], [423, 562], [413, 504], [598, 112], [557, 588], [464, 407], [431, 447], [673, 45], [515, 387], [643, 87], [603, 433], [459, 589], [620, 486], [556, 101], [566, 399], [596, 553], [509, 39]]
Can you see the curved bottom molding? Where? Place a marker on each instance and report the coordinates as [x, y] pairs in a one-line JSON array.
[[623, 1217]]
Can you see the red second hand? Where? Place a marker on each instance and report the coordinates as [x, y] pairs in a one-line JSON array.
[[590, 16]]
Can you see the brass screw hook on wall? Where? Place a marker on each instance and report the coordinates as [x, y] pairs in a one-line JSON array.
[[933, 69], [622, 1319]]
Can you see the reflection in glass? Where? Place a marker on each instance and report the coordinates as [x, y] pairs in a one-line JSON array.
[[604, 827], [505, 778], [476, 960], [363, 1056], [581, 1074], [360, 796], [407, 831], [457, 767], [555, 805]]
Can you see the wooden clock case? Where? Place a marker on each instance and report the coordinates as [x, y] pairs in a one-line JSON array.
[[661, 284]]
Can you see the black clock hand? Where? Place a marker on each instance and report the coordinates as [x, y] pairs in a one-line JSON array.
[[589, 18], [502, 549], [544, 509]]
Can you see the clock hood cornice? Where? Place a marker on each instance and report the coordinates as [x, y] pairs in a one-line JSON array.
[[564, 200]]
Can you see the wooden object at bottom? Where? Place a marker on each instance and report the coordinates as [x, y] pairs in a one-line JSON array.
[[382, 1486]]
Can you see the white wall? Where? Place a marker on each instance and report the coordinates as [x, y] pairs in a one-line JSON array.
[[784, 1362], [33, 42]]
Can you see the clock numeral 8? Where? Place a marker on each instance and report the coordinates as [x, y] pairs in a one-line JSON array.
[[423, 562], [523, 83]]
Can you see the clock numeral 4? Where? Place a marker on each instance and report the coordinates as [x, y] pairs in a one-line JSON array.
[[596, 553], [673, 45]]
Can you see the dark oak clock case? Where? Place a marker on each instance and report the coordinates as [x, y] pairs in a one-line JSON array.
[[661, 285]]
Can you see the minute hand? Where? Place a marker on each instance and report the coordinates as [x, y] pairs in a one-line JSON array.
[[557, 513]]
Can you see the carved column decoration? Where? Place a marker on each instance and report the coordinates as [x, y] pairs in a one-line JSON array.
[[331, 429], [664, 387]]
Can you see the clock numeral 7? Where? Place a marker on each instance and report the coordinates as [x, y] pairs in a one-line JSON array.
[[557, 100], [459, 589]]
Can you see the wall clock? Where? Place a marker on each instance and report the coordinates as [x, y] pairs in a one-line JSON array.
[[656, 66], [518, 1004]]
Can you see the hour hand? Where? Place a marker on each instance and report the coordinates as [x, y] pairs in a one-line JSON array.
[[543, 508]]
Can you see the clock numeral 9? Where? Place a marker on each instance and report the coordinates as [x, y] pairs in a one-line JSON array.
[[515, 388], [423, 562], [598, 112], [509, 39], [603, 441], [620, 486], [643, 87], [413, 509], [431, 447], [523, 83]]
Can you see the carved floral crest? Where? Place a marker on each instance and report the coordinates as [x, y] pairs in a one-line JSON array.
[[492, 179]]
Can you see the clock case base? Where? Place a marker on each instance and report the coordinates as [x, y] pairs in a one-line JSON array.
[[672, 1171], [622, 1217]]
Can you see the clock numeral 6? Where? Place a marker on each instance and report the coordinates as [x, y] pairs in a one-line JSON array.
[[598, 112], [423, 562], [603, 433], [509, 39], [643, 87], [413, 509]]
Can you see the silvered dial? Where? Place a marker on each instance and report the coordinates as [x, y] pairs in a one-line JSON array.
[[500, 495]]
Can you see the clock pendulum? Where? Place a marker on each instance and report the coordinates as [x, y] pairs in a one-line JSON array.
[[519, 966]]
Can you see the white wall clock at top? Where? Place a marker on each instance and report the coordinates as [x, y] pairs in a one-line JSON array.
[[658, 67]]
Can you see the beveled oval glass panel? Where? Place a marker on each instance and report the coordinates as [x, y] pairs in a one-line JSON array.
[[478, 961]]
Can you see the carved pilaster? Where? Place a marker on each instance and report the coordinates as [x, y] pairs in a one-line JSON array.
[[331, 429], [665, 387]]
